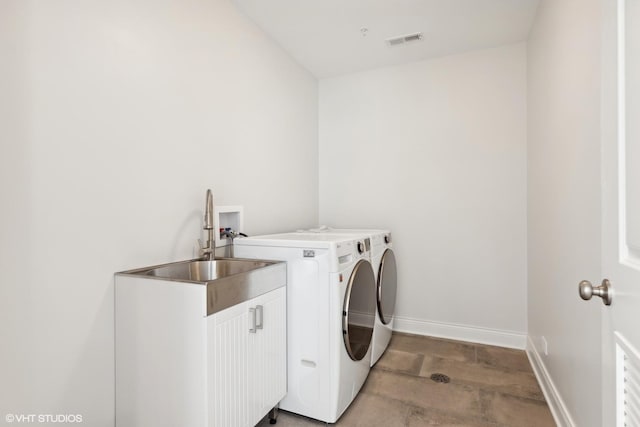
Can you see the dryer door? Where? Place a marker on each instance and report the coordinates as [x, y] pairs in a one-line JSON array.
[[387, 285], [359, 311]]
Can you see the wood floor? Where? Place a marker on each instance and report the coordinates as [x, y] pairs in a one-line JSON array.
[[489, 386]]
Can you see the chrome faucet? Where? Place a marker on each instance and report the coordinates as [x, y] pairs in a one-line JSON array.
[[208, 251]]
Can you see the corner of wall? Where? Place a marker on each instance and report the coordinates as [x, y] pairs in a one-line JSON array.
[[556, 404]]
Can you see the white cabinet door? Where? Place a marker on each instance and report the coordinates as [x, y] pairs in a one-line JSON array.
[[267, 354], [228, 377], [247, 370]]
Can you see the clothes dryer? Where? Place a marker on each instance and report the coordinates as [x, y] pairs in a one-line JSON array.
[[331, 307]]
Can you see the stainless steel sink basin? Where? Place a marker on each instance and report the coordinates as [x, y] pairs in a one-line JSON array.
[[229, 281], [204, 271]]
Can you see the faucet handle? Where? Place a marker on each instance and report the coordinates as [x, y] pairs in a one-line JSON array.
[[205, 250]]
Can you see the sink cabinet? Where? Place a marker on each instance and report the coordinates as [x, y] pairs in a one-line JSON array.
[[177, 366]]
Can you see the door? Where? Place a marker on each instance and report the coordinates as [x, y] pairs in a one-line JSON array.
[[359, 310], [268, 353], [247, 351], [387, 286], [621, 211], [227, 360]]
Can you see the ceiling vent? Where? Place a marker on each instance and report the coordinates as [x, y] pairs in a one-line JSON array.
[[397, 41]]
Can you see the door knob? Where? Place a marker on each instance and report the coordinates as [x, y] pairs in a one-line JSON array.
[[604, 291]]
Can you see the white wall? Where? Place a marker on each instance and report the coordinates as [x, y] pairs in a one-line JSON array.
[[116, 117], [435, 151], [564, 204]]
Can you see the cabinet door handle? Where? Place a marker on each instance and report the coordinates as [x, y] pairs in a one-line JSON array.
[[260, 316], [252, 319]]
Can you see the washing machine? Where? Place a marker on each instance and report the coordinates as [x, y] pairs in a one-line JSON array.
[[383, 261], [331, 306]]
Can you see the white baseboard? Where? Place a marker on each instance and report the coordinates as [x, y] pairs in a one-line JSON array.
[[361, 319], [454, 331], [558, 409]]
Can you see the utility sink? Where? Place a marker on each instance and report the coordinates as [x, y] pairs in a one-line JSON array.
[[229, 281], [204, 271]]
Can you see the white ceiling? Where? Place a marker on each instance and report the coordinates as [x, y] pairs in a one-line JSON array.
[[325, 35]]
